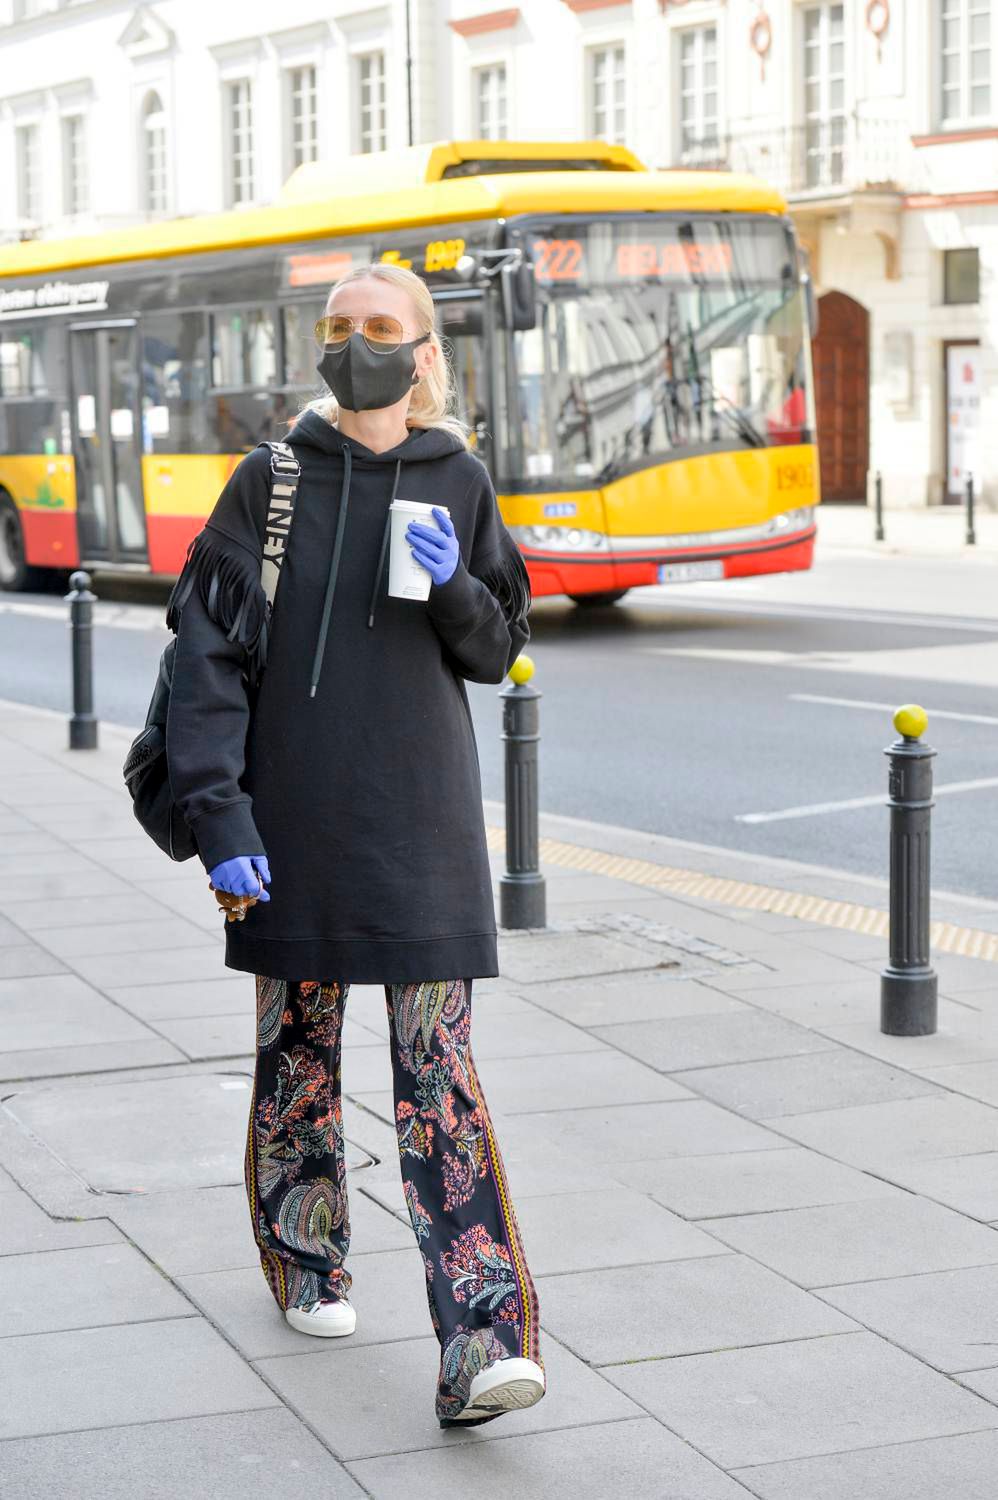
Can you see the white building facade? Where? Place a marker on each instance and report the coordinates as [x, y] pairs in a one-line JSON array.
[[878, 120]]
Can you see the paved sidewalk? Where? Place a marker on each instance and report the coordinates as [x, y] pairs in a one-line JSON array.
[[934, 531], [763, 1235]]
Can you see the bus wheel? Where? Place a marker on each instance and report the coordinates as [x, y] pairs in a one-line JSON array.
[[594, 601], [15, 574]]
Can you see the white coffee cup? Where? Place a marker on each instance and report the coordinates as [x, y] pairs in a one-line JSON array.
[[407, 578]]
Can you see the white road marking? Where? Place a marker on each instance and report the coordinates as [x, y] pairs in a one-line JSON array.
[[933, 713], [150, 617], [974, 664], [14, 704], [814, 809], [43, 611], [751, 656], [664, 597], [25, 607], [114, 616]]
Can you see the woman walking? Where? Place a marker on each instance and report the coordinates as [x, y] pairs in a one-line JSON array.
[[350, 764]]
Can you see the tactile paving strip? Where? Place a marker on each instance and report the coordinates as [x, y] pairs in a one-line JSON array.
[[945, 937]]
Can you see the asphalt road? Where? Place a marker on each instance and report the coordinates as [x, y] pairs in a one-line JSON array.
[[739, 715]]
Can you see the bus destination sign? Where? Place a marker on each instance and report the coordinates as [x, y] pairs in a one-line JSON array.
[[322, 266], [669, 250], [565, 260]]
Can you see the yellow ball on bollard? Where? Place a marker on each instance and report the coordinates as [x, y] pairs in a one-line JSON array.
[[522, 670], [911, 720]]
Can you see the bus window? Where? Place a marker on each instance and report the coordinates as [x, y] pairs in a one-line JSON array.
[[243, 348], [300, 354], [22, 365], [656, 336], [460, 324], [536, 423], [33, 414], [245, 409], [241, 419], [174, 382]]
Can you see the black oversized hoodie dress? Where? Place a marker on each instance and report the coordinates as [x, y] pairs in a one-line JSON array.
[[365, 794]]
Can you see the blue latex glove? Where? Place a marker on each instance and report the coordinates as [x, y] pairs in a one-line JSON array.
[[438, 551], [239, 875]]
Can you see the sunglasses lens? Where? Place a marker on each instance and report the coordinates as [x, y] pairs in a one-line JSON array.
[[382, 334], [333, 332]]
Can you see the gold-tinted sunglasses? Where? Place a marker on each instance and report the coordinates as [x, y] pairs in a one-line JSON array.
[[382, 333]]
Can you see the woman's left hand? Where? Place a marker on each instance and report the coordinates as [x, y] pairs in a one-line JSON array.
[[438, 551]]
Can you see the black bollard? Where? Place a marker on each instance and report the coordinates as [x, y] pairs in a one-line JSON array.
[[83, 724], [878, 492], [971, 533], [908, 985], [522, 887]]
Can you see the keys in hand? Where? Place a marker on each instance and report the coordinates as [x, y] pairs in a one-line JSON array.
[[238, 884]]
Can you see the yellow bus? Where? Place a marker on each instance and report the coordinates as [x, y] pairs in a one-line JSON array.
[[631, 346]]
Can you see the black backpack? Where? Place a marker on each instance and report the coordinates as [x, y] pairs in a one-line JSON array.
[[145, 768]]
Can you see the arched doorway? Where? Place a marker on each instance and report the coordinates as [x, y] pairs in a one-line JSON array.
[[841, 355]]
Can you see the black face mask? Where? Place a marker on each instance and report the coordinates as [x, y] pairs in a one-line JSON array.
[[363, 381]]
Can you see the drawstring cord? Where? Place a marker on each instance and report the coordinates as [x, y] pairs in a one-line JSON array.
[[384, 548], [333, 570]]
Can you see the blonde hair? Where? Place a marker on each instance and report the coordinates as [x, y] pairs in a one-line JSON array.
[[434, 399]]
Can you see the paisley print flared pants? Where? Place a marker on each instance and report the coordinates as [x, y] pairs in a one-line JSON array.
[[483, 1304]]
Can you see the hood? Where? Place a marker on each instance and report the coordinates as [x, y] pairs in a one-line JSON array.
[[421, 444]]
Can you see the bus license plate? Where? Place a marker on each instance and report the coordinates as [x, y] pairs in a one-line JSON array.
[[689, 572]]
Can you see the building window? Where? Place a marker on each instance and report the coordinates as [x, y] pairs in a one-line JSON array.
[[961, 275], [490, 102], [302, 115], [154, 187], [239, 98], [607, 94], [26, 145], [824, 95], [371, 130], [75, 186], [698, 94], [966, 60]]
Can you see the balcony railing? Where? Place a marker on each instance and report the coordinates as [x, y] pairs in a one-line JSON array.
[[841, 153]]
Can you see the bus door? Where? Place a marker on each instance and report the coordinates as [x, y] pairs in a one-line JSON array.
[[461, 319], [106, 412]]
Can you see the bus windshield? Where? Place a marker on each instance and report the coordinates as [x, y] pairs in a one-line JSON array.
[[656, 337]]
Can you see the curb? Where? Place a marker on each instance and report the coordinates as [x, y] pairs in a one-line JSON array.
[[822, 881]]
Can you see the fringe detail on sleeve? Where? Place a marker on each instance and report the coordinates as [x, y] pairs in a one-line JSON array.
[[508, 579], [228, 582]]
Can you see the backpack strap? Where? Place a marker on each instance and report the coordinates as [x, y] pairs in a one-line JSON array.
[[285, 472]]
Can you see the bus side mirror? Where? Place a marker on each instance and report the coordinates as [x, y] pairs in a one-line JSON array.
[[518, 296], [812, 303]]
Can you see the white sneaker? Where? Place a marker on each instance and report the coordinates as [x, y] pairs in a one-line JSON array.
[[328, 1320], [504, 1385]]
